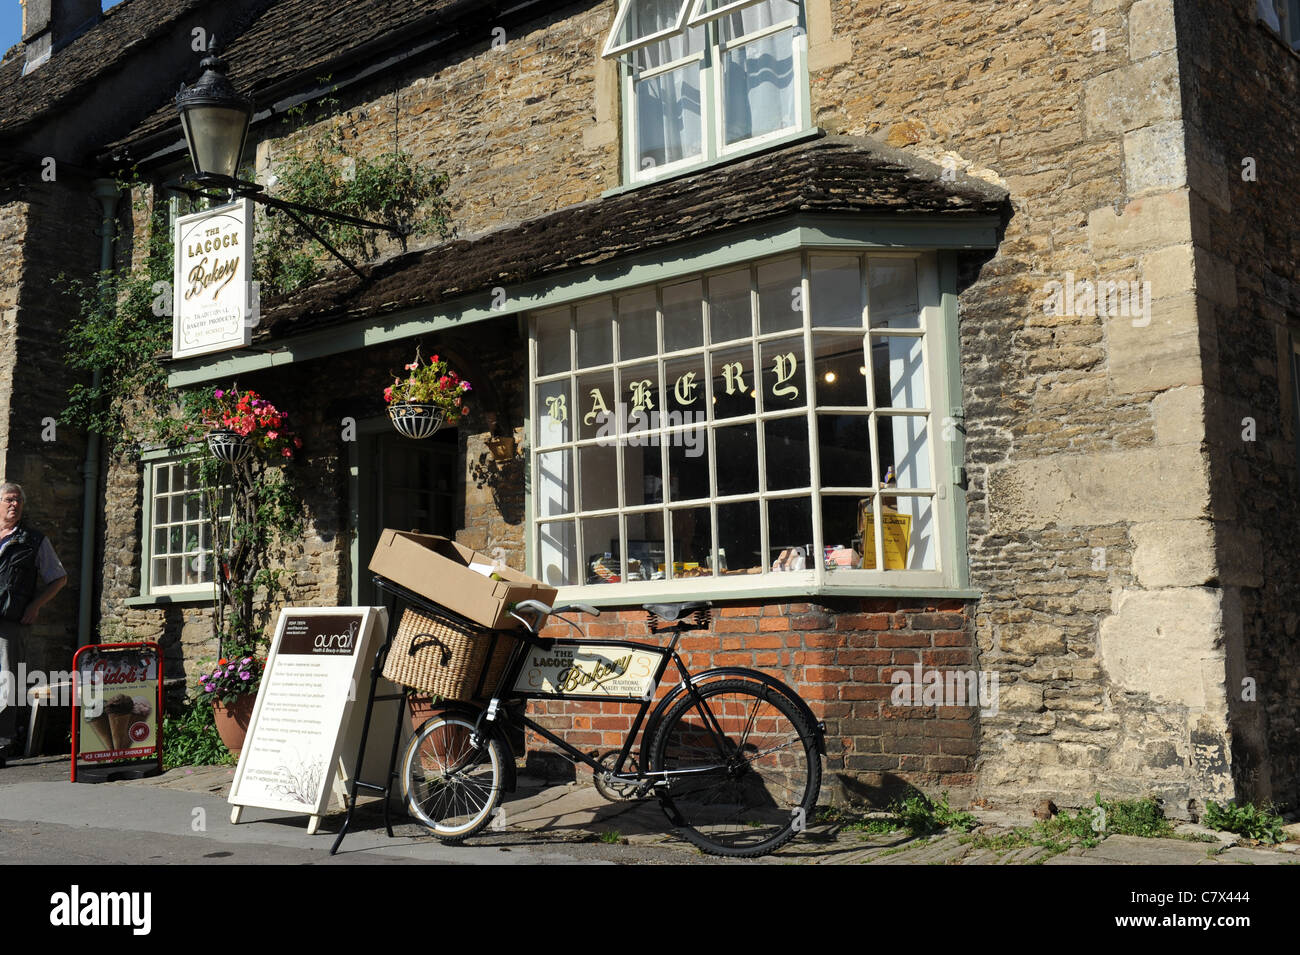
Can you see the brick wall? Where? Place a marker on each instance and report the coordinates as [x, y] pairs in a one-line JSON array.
[[840, 656]]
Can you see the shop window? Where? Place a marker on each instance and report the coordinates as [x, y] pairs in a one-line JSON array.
[[770, 421], [704, 78], [178, 534]]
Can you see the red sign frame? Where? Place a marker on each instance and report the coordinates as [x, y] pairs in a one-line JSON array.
[[123, 757]]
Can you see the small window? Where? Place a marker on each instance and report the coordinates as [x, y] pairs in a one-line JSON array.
[[704, 78], [1284, 17], [178, 533]]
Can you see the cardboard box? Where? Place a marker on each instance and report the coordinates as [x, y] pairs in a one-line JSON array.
[[456, 577]]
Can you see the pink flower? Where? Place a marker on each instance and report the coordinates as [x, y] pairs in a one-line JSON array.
[[410, 367], [273, 434], [287, 453], [218, 394], [465, 386]]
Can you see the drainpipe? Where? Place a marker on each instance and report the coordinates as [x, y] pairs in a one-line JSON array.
[[106, 191]]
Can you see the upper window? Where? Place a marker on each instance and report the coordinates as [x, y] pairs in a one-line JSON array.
[[704, 78], [773, 421], [1284, 17], [178, 534]]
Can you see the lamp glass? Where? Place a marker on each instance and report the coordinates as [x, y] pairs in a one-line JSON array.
[[215, 135]]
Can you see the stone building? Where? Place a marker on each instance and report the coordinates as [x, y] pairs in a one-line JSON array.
[[1018, 278]]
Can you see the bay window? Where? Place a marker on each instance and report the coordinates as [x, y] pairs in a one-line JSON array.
[[769, 423], [705, 78]]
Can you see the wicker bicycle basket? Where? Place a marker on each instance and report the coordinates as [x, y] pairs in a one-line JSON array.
[[440, 657]]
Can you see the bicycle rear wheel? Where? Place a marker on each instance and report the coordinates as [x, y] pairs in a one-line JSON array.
[[451, 785], [751, 768]]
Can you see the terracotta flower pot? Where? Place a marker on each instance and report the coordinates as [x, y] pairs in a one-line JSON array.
[[232, 720]]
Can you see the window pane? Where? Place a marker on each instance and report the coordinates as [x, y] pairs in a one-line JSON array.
[[893, 302], [734, 389], [554, 483], [643, 472], [668, 117], [553, 342], [790, 534], [162, 477], [688, 468], [780, 296], [787, 453], [160, 541], [907, 530], [646, 18], [597, 464], [785, 384], [741, 17], [841, 534], [692, 542], [835, 291], [739, 540], [159, 576], [683, 316], [758, 83], [729, 309], [637, 332], [555, 420], [737, 455], [845, 450], [904, 442], [597, 405], [639, 397], [600, 542], [840, 373], [687, 386], [899, 371], [557, 549], [595, 333], [645, 547]]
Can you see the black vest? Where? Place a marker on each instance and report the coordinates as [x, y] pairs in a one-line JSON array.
[[18, 571]]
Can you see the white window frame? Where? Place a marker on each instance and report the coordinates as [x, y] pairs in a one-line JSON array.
[[713, 131], [148, 525], [947, 524]]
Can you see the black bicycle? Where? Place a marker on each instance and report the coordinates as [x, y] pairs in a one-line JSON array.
[[733, 755]]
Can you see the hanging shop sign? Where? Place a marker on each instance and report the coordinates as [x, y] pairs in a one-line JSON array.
[[618, 671], [116, 706], [213, 308], [307, 718]]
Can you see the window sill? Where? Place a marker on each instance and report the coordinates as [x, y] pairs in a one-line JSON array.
[[614, 596], [731, 157], [165, 600]]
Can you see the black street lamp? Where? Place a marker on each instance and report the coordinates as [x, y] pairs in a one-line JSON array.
[[216, 120]]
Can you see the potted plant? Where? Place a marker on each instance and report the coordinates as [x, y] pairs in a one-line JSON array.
[[232, 688], [429, 396]]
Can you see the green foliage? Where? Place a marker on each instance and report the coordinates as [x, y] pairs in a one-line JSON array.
[[611, 837], [119, 324], [191, 739], [391, 188], [1085, 828], [920, 815], [1260, 824]]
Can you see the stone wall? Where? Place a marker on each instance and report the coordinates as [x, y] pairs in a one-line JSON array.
[[1240, 85]]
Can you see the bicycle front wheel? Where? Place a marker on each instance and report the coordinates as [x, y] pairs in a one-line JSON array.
[[451, 785], [750, 770]]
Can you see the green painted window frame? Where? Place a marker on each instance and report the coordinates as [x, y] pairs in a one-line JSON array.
[[713, 135], [951, 579], [149, 594]]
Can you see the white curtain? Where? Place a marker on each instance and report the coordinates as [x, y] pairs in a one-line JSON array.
[[667, 105], [758, 80]]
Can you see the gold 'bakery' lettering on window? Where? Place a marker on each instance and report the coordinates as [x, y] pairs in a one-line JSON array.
[[557, 408], [685, 387], [598, 407], [642, 397], [784, 366], [734, 373]]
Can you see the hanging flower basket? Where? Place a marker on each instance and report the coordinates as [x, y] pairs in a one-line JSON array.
[[430, 396], [416, 421], [227, 445]]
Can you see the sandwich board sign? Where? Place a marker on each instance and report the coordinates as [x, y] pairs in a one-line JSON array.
[[213, 304], [306, 723]]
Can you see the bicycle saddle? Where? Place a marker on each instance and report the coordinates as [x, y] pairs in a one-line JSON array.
[[679, 613]]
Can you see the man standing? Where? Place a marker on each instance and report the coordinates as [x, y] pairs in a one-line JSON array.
[[25, 555]]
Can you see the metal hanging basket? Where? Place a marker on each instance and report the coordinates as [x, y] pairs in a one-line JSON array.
[[229, 446], [416, 421]]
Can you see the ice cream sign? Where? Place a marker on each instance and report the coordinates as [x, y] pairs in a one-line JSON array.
[[212, 294], [118, 696]]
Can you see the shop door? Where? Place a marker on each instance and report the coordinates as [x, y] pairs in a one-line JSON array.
[[404, 485]]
